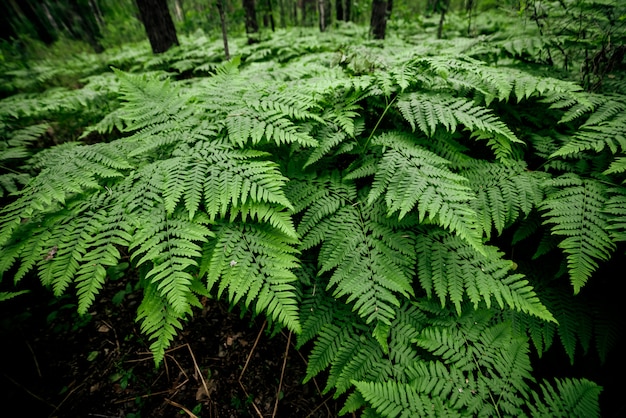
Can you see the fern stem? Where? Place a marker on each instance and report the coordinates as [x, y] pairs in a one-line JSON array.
[[493, 401], [378, 122], [9, 169]]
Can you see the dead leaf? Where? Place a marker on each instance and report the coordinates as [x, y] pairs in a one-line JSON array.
[[51, 253], [104, 328]]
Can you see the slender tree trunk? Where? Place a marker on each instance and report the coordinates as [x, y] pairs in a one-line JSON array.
[[323, 8], [443, 8], [379, 19], [158, 24], [97, 12], [220, 8], [347, 14], [252, 26], [178, 10]]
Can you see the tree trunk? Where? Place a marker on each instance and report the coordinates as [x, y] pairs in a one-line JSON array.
[[220, 8], [158, 23], [442, 5], [252, 26], [283, 15], [348, 11], [45, 32], [379, 19], [270, 15], [339, 9], [324, 14], [83, 24], [178, 10]]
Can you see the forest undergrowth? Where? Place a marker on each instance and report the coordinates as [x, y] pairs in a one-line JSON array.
[[440, 220]]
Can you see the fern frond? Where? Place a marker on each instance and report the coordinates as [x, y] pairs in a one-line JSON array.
[[426, 111], [228, 180], [329, 138], [616, 167], [392, 399], [321, 197], [605, 128], [10, 295], [575, 208], [503, 192], [149, 99], [246, 123], [465, 350], [170, 244], [569, 398], [254, 262], [449, 268], [615, 208], [354, 352], [409, 175], [159, 320], [371, 261]]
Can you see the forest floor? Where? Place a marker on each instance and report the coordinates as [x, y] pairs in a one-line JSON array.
[[57, 364]]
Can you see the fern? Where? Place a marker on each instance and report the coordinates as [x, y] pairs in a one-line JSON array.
[[428, 110], [504, 192], [571, 398], [371, 261], [254, 261], [409, 175], [575, 208], [363, 197], [448, 268]]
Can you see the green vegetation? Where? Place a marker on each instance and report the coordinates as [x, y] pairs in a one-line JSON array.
[[429, 214]]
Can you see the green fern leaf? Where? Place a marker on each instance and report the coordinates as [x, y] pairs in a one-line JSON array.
[[392, 399], [575, 208], [410, 176], [570, 398], [504, 192], [159, 320], [428, 110], [449, 268], [371, 260], [170, 244], [254, 262]]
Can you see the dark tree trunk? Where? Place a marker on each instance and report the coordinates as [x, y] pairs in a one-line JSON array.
[[308, 12], [295, 12], [339, 9], [34, 14], [347, 14], [83, 24], [7, 16], [442, 6], [281, 11], [158, 23], [389, 8], [379, 19], [269, 16], [252, 26], [220, 8]]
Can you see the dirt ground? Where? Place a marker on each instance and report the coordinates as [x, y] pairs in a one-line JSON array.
[[57, 364]]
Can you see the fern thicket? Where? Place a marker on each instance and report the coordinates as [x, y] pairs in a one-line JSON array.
[[388, 207]]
